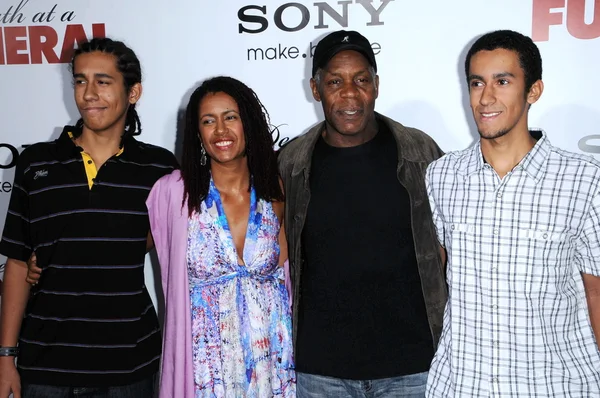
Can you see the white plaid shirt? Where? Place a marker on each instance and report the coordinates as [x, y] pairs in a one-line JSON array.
[[517, 322]]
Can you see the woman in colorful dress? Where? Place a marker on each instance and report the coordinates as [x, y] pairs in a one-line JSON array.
[[217, 227]]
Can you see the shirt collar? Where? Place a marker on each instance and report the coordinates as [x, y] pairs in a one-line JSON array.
[[474, 161], [533, 163], [119, 152], [68, 148]]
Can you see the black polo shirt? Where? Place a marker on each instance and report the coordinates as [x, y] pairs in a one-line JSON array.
[[90, 320]]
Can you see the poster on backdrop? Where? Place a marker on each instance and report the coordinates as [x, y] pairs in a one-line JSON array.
[[268, 44]]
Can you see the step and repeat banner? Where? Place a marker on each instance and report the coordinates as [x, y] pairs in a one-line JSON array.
[[420, 48]]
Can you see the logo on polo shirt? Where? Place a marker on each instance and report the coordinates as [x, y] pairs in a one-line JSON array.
[[40, 173]]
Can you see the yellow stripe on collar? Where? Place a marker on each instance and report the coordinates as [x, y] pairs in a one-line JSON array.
[[88, 163]]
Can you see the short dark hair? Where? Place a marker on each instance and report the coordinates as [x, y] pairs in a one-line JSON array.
[[261, 157], [529, 54], [129, 66]]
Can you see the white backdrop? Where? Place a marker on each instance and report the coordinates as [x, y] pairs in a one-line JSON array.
[[266, 43]]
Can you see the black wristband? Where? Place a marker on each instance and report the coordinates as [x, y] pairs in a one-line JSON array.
[[9, 351]]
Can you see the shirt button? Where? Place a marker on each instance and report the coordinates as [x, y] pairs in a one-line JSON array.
[[494, 380], [495, 307], [494, 269], [452, 227], [545, 236], [496, 231], [297, 217], [499, 195], [89, 162]]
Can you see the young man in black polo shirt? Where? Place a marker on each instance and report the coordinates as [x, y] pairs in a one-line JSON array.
[[89, 328]]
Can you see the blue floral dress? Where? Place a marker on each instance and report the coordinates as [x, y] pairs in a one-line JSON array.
[[241, 321]]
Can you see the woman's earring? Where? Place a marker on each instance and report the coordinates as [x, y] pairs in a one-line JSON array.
[[203, 155]]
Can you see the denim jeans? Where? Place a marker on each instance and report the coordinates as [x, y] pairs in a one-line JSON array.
[[315, 386], [141, 389]]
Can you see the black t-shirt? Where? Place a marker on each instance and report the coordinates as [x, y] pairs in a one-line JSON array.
[[362, 312]]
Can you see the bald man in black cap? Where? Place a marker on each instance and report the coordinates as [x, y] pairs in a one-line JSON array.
[[367, 272]]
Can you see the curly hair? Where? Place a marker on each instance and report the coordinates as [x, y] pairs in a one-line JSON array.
[[261, 158]]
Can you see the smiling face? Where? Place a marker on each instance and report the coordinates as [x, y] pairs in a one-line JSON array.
[[347, 90], [100, 93], [497, 93], [221, 129]]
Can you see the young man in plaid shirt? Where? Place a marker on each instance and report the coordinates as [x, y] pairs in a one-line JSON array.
[[520, 221]]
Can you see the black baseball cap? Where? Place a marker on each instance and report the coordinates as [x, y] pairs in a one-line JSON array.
[[338, 41]]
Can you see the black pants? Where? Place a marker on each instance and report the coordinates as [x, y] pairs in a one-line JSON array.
[[141, 389]]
